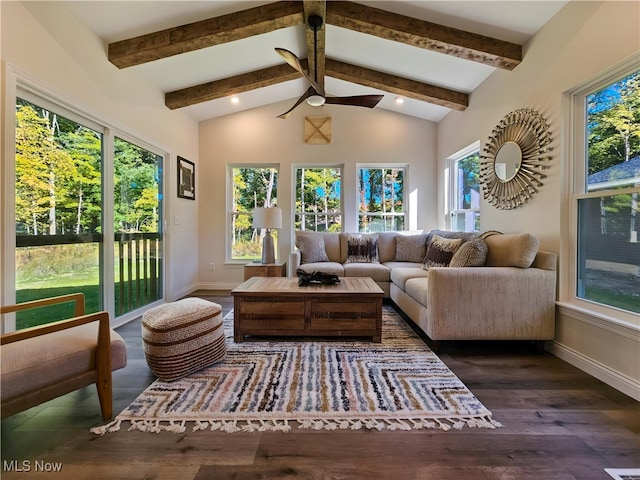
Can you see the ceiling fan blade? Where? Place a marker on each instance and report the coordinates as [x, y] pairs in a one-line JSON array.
[[294, 61], [304, 96], [368, 101]]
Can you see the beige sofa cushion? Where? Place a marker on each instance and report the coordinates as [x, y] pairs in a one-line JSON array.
[[417, 289], [333, 268], [400, 275], [511, 250], [387, 246], [377, 271]]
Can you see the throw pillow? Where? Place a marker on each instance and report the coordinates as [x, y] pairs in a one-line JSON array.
[[470, 254], [311, 248], [411, 248], [512, 250], [440, 252], [362, 249]]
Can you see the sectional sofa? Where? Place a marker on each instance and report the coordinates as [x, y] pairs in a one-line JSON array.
[[452, 285]]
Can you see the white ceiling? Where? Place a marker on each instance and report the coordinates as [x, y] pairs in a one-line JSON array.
[[514, 21]]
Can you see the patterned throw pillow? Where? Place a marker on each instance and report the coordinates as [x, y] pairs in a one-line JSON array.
[[440, 252], [311, 248], [411, 248], [471, 254], [362, 249]]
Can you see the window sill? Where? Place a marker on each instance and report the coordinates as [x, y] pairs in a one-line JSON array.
[[601, 320]]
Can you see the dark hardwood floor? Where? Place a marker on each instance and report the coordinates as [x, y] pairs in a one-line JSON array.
[[559, 423]]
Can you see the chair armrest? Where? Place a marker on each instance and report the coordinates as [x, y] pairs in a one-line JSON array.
[[72, 297], [294, 263], [102, 317]]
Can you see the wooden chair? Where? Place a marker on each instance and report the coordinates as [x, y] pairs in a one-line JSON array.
[[47, 361]]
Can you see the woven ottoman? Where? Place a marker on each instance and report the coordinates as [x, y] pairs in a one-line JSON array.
[[182, 337]]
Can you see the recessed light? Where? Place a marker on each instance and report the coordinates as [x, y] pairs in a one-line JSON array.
[[399, 100], [235, 100]]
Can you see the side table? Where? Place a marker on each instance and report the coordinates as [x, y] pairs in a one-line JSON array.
[[278, 269]]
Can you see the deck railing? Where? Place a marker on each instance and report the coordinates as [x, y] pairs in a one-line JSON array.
[[138, 264]]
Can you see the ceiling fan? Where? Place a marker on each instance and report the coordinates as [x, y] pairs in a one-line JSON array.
[[315, 94]]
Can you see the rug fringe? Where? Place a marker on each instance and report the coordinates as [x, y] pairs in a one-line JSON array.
[[250, 426]]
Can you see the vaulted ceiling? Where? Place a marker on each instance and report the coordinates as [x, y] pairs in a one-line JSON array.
[[430, 54]]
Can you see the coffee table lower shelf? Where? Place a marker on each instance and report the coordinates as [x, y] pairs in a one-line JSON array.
[[279, 307]]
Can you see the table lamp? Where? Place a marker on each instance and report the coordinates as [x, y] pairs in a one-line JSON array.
[[267, 218]]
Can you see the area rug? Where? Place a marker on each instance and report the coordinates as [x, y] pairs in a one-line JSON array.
[[280, 384]]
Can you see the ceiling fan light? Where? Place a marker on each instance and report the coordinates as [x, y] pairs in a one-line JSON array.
[[315, 100]]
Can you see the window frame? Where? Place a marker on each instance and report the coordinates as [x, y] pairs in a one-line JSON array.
[[451, 195], [575, 188], [405, 182], [229, 203], [294, 211], [20, 85]]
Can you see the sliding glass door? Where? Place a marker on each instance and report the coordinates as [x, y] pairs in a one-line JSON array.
[[68, 225]]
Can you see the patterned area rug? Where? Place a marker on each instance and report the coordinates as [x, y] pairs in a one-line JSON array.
[[399, 384]]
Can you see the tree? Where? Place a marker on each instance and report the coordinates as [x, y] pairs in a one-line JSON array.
[[135, 188], [43, 170], [614, 124]]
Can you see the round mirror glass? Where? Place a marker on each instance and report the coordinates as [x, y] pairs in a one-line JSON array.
[[507, 162]]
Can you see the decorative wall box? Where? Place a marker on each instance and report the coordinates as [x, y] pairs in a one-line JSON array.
[[317, 130]]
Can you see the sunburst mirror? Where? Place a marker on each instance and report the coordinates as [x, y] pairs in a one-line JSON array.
[[513, 158]]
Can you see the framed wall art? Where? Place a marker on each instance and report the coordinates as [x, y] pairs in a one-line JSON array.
[[186, 179]]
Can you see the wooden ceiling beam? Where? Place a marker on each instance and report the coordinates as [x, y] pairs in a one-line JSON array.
[[334, 68], [231, 86], [419, 33], [398, 85], [205, 33], [315, 7]]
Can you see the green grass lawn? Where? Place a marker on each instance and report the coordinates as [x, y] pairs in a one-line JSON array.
[[607, 297], [40, 316]]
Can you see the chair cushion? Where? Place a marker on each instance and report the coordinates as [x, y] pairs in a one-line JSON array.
[[33, 364]]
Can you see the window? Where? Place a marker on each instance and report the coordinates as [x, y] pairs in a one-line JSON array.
[[251, 186], [464, 201], [606, 191], [318, 198], [381, 205]]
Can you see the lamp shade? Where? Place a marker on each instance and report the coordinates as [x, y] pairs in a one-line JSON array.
[[267, 217]]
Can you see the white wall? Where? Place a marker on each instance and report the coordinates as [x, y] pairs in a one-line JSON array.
[[48, 46], [359, 136], [582, 40]]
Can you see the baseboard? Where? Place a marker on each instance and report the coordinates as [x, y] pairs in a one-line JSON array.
[[615, 379], [183, 292]]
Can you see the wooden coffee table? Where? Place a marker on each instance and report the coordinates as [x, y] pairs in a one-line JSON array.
[[278, 306]]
